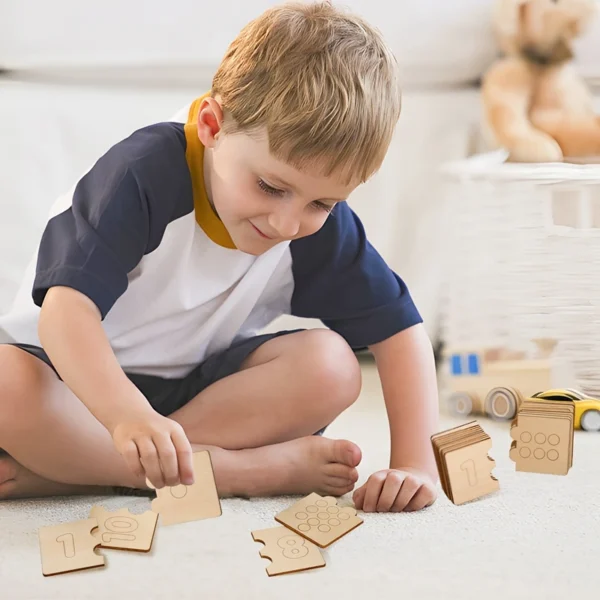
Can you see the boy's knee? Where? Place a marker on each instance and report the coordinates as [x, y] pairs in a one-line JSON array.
[[331, 368], [19, 376]]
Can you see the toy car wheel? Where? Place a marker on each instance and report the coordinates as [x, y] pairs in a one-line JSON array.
[[590, 420], [460, 403], [502, 403]]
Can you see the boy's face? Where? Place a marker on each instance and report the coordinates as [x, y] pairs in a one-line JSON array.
[[261, 200]]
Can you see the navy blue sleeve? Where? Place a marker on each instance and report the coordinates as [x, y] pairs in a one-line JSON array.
[[119, 212], [341, 279]]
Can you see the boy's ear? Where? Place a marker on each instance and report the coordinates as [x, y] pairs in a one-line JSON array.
[[210, 121]]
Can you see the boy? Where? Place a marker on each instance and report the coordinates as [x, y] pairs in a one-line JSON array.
[[134, 339]]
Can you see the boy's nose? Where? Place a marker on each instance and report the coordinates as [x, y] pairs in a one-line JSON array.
[[285, 223]]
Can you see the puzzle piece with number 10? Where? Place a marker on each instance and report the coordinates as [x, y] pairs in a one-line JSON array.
[[123, 530]]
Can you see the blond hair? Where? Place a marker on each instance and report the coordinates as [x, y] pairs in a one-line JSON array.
[[321, 81]]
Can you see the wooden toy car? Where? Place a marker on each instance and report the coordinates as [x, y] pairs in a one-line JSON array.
[[493, 382]]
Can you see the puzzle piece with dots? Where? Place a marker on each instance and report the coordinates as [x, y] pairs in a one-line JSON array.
[[319, 519]]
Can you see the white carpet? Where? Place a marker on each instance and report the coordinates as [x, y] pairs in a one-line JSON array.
[[538, 538]]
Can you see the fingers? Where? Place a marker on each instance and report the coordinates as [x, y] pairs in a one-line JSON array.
[[150, 461], [167, 457], [184, 454], [132, 459], [410, 486], [359, 496], [374, 486], [391, 488], [426, 496]]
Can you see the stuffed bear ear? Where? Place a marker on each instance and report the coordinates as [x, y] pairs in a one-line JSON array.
[[508, 16]]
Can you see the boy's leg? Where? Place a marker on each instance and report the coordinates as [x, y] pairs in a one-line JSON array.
[[48, 430], [289, 387]]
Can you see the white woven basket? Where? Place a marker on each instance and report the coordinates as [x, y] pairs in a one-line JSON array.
[[525, 259]]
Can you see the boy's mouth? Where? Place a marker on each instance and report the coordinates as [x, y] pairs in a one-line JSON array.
[[260, 232]]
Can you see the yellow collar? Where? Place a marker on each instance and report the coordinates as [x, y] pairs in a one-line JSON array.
[[206, 217]]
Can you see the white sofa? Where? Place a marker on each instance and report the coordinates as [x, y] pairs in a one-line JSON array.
[[80, 76]]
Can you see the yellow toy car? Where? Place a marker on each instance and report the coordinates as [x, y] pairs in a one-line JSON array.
[[587, 410]]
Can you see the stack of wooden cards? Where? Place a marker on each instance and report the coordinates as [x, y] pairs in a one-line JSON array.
[[543, 437], [463, 463], [312, 523]]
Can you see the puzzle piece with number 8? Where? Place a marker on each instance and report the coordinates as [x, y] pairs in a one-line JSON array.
[[287, 551]]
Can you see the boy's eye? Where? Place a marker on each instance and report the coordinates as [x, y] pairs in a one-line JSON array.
[[269, 189], [322, 206]]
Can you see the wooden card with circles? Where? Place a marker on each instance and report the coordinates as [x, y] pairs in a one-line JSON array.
[[122, 530], [287, 551], [319, 519], [184, 503], [542, 436], [69, 547]]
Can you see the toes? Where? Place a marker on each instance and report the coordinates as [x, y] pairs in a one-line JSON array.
[[343, 472], [346, 453], [339, 490], [8, 469]]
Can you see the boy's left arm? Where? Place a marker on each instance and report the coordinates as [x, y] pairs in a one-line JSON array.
[[408, 376]]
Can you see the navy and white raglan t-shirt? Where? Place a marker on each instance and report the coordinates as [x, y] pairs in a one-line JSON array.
[[138, 236]]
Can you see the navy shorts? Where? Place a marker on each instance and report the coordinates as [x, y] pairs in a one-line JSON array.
[[168, 395]]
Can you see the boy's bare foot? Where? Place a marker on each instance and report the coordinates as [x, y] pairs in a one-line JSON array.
[[301, 466], [18, 482]]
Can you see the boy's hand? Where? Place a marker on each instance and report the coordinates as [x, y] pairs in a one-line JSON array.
[[396, 490], [155, 447]]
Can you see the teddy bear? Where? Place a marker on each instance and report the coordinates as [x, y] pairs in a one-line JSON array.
[[536, 106]]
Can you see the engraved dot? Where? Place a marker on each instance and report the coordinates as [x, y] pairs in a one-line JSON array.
[[524, 452], [295, 551], [539, 453], [552, 455], [312, 509], [323, 516], [553, 440], [304, 527], [301, 516], [344, 516], [291, 542], [526, 437], [333, 510], [321, 503], [313, 522], [324, 528], [179, 491], [334, 522], [540, 438]]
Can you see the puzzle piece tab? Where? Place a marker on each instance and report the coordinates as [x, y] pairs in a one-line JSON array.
[[184, 503], [287, 551], [69, 547], [123, 530], [319, 519]]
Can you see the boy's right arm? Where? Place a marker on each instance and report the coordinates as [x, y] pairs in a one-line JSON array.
[[70, 330]]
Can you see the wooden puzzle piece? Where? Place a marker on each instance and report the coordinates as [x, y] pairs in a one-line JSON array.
[[541, 445], [184, 503], [319, 519], [469, 472], [287, 551], [123, 530], [69, 547]]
